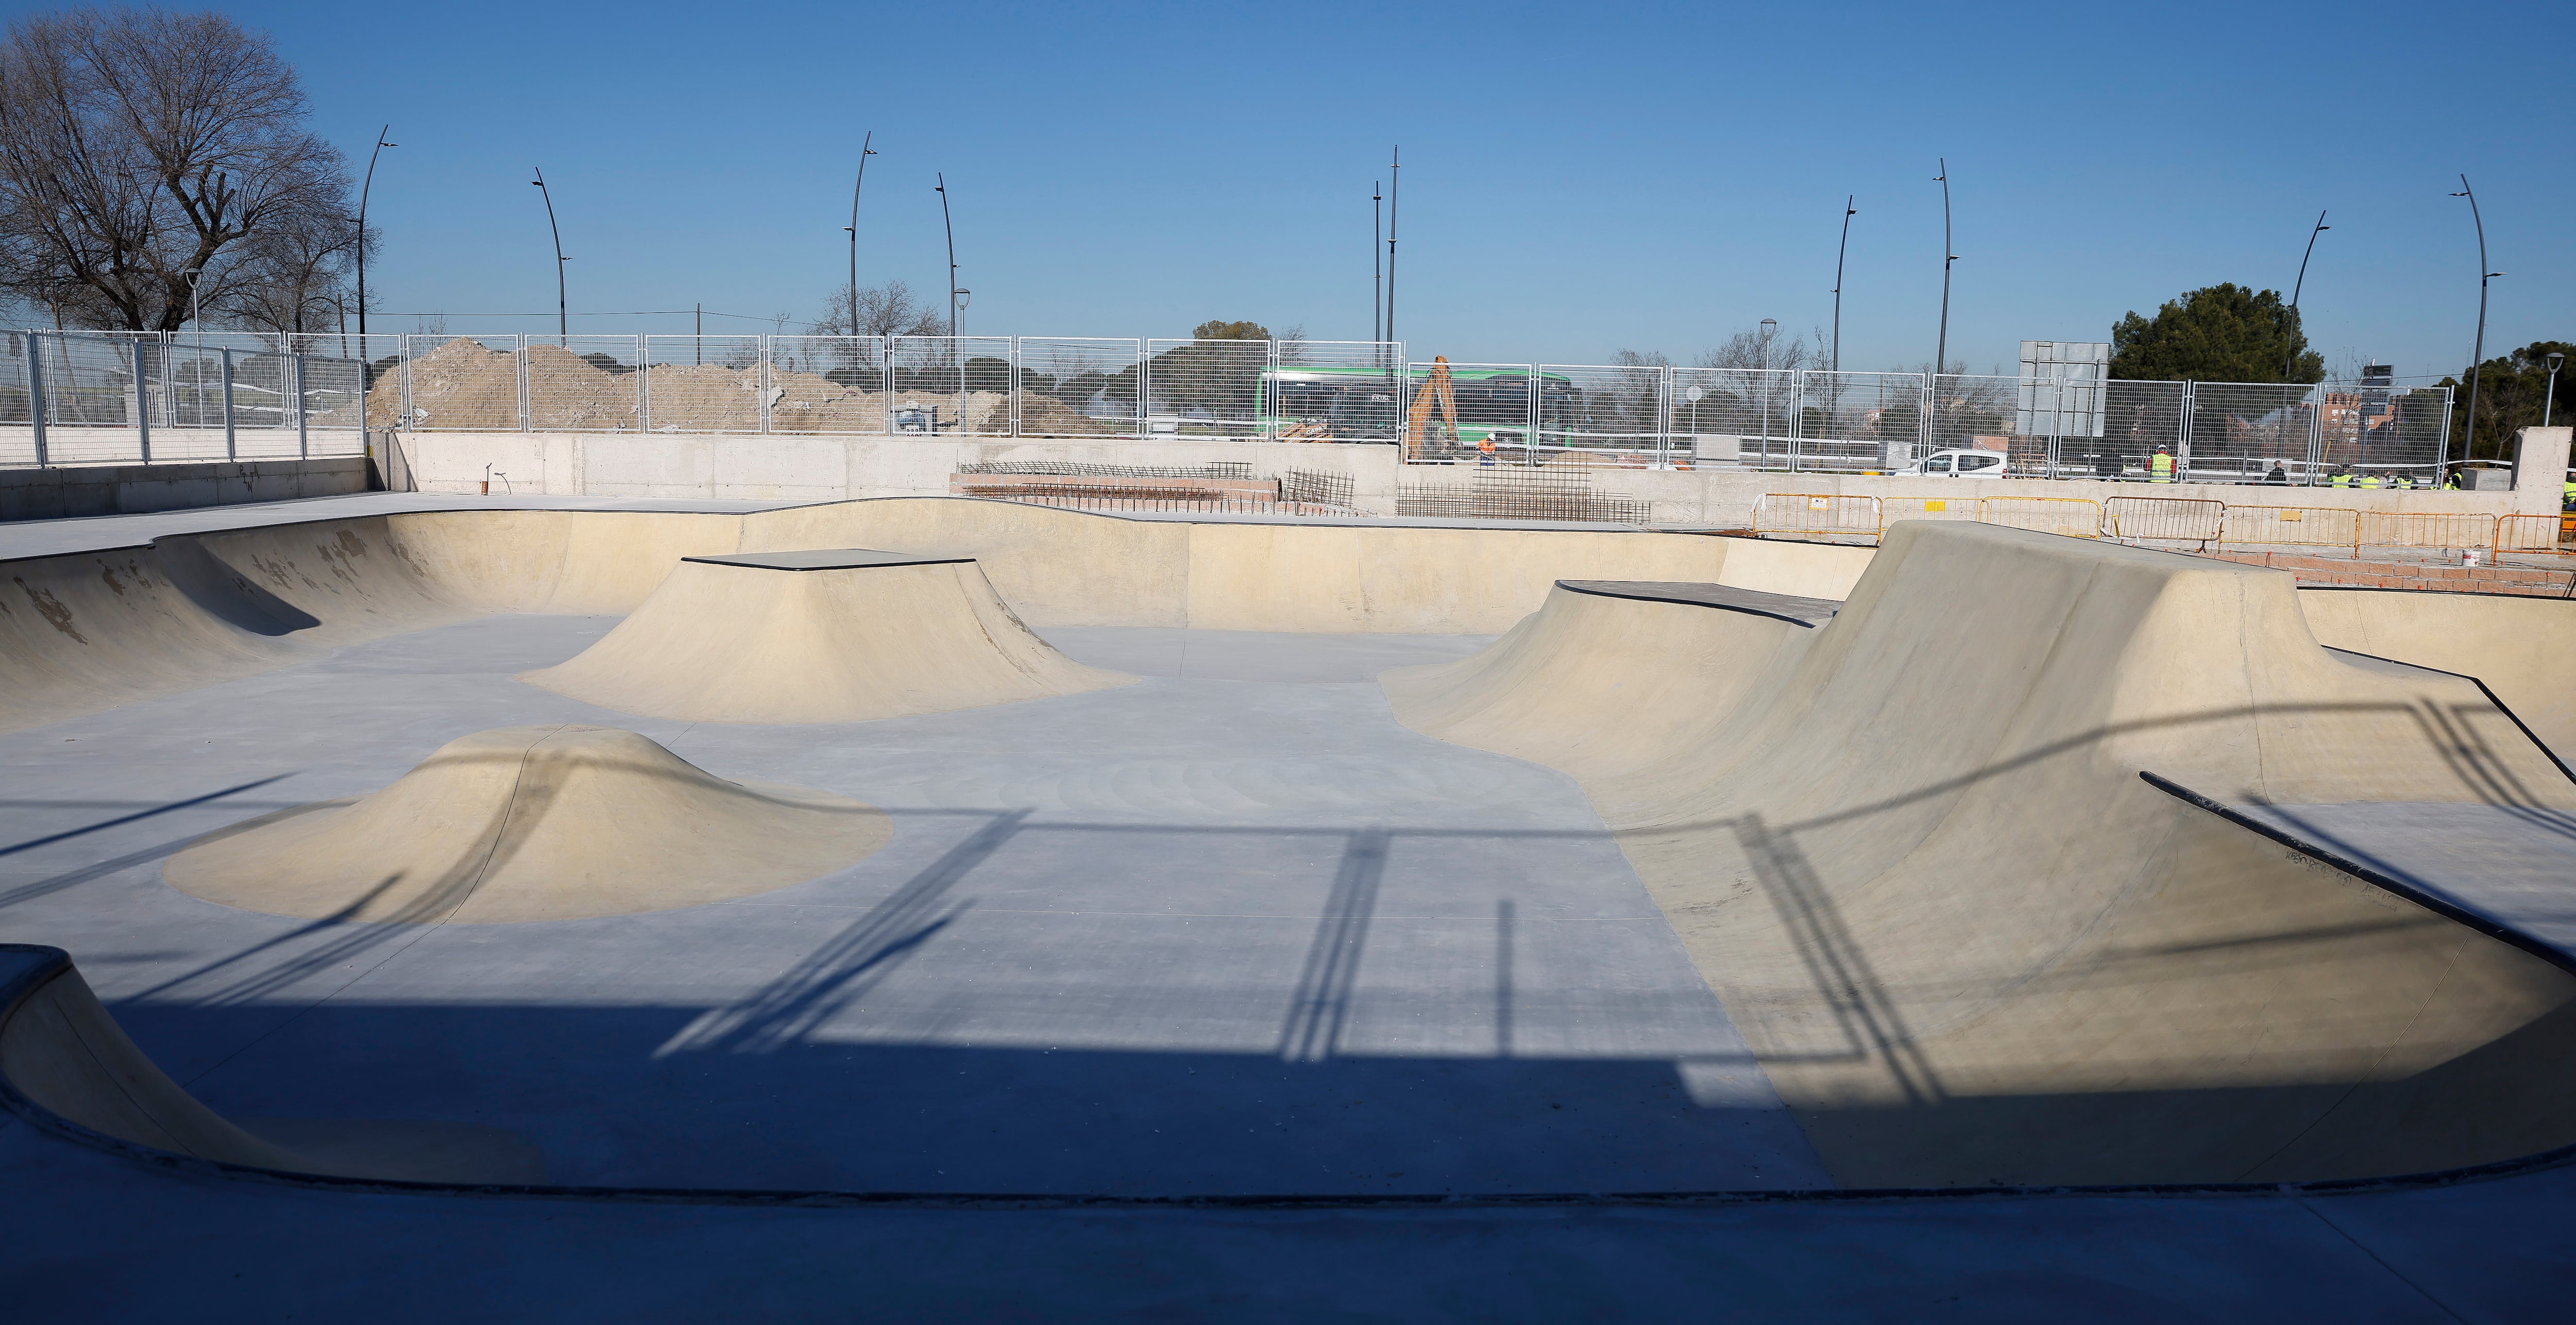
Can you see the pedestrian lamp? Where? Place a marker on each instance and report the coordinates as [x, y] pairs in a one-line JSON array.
[[2551, 400]]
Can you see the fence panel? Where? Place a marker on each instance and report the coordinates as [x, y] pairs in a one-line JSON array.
[[458, 384], [830, 384], [1587, 407], [1491, 402], [88, 400], [1205, 388], [1817, 514], [2537, 533], [702, 383], [18, 399], [950, 384], [584, 383], [2164, 519], [2305, 526], [1857, 422], [327, 381], [1335, 391], [2138, 420], [1075, 386], [1978, 411], [2393, 434], [2445, 530], [2067, 517], [2248, 432], [1893, 509], [1736, 418]]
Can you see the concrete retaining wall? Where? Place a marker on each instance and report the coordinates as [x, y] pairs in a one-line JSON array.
[[830, 468], [51, 494]]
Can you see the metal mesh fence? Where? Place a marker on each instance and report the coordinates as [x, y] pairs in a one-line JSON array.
[[2067, 517], [1817, 515], [1738, 418], [2300, 526], [455, 384], [1333, 391], [1601, 407], [1856, 422], [2242, 431], [1078, 386], [701, 383], [828, 384], [1976, 411], [950, 384], [2394, 435], [2163, 519], [584, 383], [2137, 420], [1205, 388], [2454, 530]]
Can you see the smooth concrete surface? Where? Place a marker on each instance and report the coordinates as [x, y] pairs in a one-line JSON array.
[[839, 637], [2514, 865], [1787, 607], [90, 490], [2519, 646], [1911, 850], [839, 467], [1196, 936]]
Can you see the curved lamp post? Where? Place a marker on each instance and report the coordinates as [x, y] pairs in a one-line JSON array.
[[2478, 353], [947, 225], [563, 320], [865, 152], [2290, 356], [1941, 350], [1849, 212], [363, 189]]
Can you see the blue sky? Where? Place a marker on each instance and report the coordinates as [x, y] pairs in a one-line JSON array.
[[1577, 179]]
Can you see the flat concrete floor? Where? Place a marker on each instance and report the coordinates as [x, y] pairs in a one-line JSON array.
[[1232, 930]]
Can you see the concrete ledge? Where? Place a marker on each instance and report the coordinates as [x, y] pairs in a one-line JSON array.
[[53, 494]]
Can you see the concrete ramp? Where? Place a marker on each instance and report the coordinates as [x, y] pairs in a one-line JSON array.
[[63, 1059], [2519, 646], [532, 823], [1968, 943], [839, 636]]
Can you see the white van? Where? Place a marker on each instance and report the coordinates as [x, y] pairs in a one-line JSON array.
[[1958, 461]]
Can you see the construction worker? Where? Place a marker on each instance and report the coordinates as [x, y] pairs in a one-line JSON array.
[[2567, 493], [2342, 478], [1485, 452], [2160, 469], [2368, 481], [2400, 481]]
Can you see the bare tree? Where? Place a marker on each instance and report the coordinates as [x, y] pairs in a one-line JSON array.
[[137, 146], [297, 278], [1744, 349], [883, 310]]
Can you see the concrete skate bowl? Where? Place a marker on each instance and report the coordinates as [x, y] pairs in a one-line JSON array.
[[1912, 850], [88, 631]]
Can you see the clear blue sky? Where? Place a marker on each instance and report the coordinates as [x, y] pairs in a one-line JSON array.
[[1578, 178]]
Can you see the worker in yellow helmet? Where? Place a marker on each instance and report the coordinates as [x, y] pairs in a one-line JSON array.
[[2368, 481], [2160, 469]]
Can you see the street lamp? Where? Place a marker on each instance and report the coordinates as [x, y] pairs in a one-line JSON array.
[[865, 152], [2290, 356], [1769, 327], [2550, 401], [2478, 354], [1394, 192], [563, 320], [1849, 212], [1377, 276], [1941, 350], [363, 189], [200, 365], [942, 189]]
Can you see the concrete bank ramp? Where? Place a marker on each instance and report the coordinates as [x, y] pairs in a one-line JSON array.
[[837, 636], [1912, 851], [2520, 646], [532, 823], [63, 1059]]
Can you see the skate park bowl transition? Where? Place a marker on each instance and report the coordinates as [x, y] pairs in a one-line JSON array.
[[2016, 860]]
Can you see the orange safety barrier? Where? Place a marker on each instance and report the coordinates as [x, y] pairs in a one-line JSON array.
[[2387, 529], [2537, 533], [2164, 519], [2070, 517], [1893, 509], [2306, 526], [1816, 514]]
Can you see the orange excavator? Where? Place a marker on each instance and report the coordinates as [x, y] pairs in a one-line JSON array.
[[1437, 388]]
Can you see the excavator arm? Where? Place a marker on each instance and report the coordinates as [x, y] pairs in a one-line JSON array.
[[1435, 389]]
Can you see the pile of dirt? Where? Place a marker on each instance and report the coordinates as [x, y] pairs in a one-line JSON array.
[[692, 397], [460, 386], [569, 393]]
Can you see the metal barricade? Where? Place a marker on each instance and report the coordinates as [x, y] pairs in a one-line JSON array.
[[2164, 519], [701, 383], [2554, 534], [459, 384], [2299, 526], [2456, 530], [1893, 509], [828, 384], [2068, 517], [1817, 515], [1078, 387]]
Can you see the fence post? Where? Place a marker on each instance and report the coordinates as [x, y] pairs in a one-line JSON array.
[[644, 383], [527, 389], [2182, 436], [303, 438], [36, 394], [232, 451], [760, 384], [142, 402], [1015, 386], [2317, 424]]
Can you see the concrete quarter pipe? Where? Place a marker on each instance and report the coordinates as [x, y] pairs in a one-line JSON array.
[[1911, 850]]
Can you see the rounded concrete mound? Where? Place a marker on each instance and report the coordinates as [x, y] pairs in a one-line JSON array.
[[550, 822], [831, 636]]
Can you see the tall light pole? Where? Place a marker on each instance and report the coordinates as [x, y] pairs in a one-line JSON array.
[[1377, 277], [942, 190], [370, 183], [2550, 401], [563, 320], [2290, 356], [1769, 327], [2477, 354], [1849, 212], [1394, 191], [1941, 348], [865, 152]]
